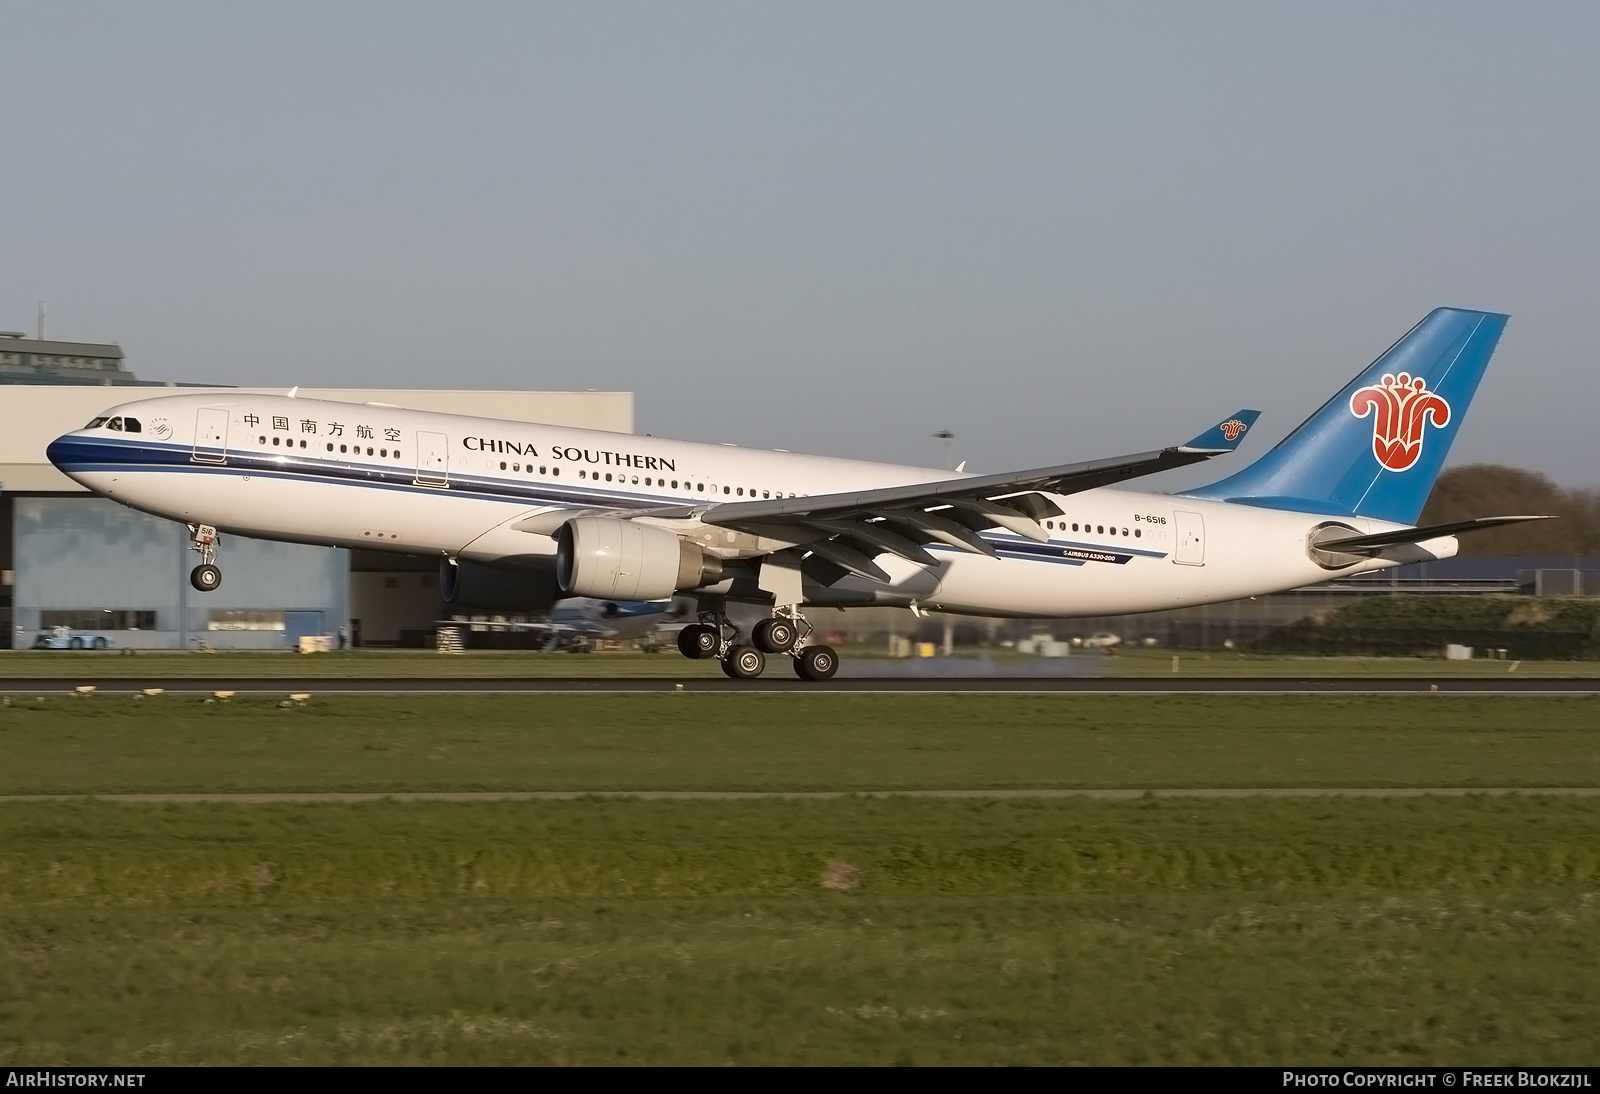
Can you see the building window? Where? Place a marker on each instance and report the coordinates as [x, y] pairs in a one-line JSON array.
[[97, 619], [244, 619]]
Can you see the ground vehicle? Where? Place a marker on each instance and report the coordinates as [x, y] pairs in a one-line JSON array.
[[62, 638]]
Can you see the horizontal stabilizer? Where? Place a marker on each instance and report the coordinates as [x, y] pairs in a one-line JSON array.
[[1379, 540], [1226, 435]]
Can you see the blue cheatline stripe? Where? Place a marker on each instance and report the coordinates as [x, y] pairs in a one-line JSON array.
[[85, 456], [78, 454]]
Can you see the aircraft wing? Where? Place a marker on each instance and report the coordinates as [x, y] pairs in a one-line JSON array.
[[848, 530]]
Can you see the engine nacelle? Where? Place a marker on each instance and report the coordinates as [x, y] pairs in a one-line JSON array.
[[474, 585], [615, 559]]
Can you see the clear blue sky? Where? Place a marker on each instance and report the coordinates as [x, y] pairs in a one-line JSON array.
[[1064, 231]]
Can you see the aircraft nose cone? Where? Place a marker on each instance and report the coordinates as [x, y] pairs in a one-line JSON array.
[[59, 452]]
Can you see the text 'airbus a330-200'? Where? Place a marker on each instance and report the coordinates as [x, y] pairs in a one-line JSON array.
[[521, 514]]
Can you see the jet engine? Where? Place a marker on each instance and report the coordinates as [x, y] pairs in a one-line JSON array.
[[474, 585], [615, 559]]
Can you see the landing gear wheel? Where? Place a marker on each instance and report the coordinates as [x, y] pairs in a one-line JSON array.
[[698, 640], [775, 635], [205, 577], [816, 663], [744, 663]]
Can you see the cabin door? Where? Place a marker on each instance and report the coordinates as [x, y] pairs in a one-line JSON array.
[[433, 459], [211, 435], [1190, 531]]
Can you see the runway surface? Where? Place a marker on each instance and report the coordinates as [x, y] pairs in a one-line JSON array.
[[1121, 794], [1344, 685]]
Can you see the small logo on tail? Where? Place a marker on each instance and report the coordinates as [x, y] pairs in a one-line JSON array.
[[1232, 428], [1401, 407]]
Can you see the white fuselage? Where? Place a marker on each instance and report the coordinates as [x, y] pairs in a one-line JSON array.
[[383, 478]]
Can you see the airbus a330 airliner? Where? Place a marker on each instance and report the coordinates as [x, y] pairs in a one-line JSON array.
[[519, 513]]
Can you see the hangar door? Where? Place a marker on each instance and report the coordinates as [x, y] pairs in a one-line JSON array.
[[1189, 529], [211, 434], [298, 625]]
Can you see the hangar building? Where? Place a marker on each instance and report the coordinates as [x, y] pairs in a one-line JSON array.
[[70, 559]]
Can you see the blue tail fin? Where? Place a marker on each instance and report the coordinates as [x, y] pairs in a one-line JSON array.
[[1374, 449]]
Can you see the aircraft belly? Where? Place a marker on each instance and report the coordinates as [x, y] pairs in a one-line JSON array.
[[331, 513], [1021, 587]]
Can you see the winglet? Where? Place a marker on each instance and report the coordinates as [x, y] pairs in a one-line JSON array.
[[1226, 435]]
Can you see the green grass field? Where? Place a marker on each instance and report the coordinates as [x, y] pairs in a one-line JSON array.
[[607, 929], [851, 931], [794, 741]]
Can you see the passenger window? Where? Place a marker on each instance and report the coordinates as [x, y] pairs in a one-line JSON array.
[[1100, 529]]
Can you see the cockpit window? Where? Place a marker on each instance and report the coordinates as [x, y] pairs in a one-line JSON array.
[[131, 425], [97, 423], [115, 423]]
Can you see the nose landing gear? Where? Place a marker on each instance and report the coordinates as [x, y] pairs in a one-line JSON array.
[[207, 576]]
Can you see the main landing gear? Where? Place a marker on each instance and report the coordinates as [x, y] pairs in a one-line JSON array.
[[207, 576], [786, 633]]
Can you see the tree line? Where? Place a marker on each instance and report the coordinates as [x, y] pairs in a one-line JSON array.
[[1492, 490]]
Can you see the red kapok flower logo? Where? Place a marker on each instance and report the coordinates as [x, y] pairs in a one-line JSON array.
[[1232, 428], [1401, 408]]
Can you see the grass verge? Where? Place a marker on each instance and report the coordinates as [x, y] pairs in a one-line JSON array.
[[794, 741], [1431, 931]]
